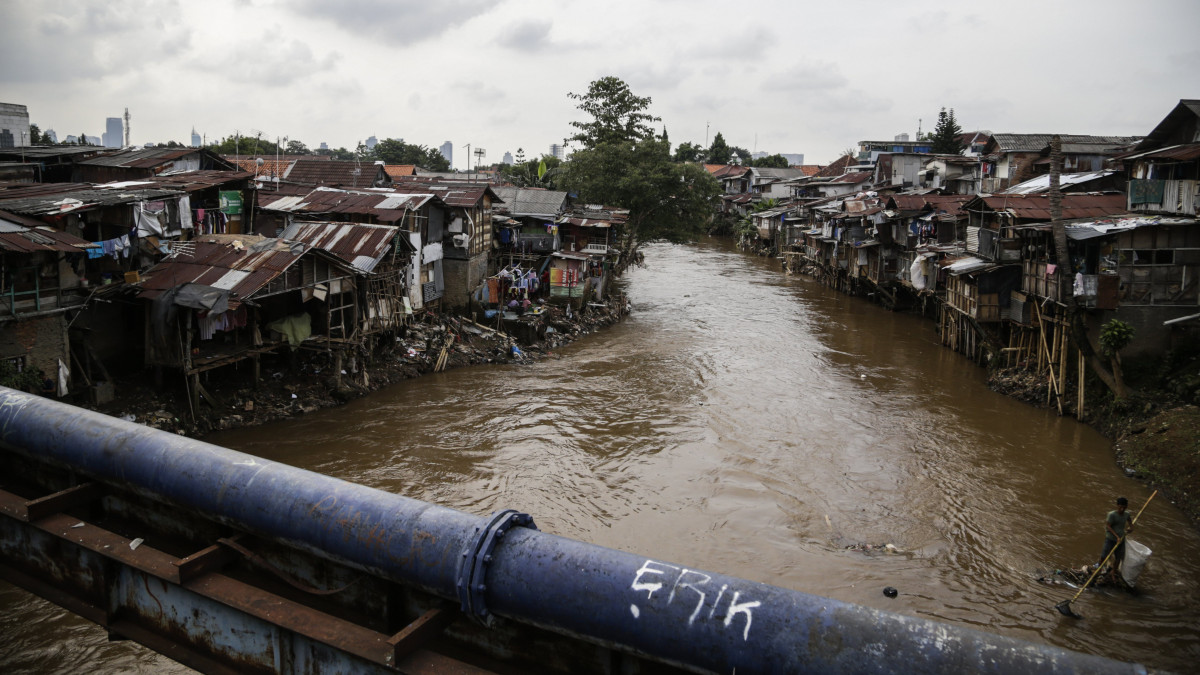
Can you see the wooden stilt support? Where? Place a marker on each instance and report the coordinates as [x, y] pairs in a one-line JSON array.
[[1082, 373]]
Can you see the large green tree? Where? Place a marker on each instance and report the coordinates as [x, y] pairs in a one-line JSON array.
[[542, 172], [776, 161], [245, 145], [946, 134], [617, 114], [690, 152], [393, 151], [623, 164], [719, 152]]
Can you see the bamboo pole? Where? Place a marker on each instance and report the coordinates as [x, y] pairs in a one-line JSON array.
[[1052, 385], [1062, 360], [1079, 410]]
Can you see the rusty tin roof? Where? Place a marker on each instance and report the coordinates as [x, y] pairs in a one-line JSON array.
[[359, 244]]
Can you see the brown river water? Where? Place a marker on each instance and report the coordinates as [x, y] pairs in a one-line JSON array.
[[755, 424]]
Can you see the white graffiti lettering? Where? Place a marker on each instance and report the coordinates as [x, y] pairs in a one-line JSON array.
[[647, 569], [744, 608], [680, 583], [698, 583]]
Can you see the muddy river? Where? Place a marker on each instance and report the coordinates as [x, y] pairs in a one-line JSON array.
[[758, 425]]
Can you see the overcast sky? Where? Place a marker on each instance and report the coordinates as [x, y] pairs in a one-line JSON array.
[[798, 77]]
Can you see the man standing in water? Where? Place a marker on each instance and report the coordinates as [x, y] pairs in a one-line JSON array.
[[1116, 525]]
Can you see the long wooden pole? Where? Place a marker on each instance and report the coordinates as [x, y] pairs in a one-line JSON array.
[[1082, 364]]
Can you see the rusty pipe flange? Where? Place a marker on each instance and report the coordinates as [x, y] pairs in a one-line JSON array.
[[477, 555]]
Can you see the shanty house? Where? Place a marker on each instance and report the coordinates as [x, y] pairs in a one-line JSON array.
[[419, 217], [1014, 158], [993, 218], [379, 254], [147, 162], [1164, 168], [222, 299], [466, 239], [535, 213], [335, 173], [38, 285]]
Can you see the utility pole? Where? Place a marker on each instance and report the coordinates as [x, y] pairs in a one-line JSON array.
[[127, 127], [706, 134], [468, 161]]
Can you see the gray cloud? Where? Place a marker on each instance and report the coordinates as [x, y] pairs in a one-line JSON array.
[[808, 77], [285, 63], [528, 36], [397, 21], [63, 42]]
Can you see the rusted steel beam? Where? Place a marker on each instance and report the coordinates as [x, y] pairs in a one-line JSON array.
[[211, 559], [206, 620], [39, 508], [416, 634]]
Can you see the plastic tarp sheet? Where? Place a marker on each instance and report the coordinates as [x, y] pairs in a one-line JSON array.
[[199, 296], [296, 328]]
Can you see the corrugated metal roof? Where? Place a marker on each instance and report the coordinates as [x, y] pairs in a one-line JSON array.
[[359, 244], [1037, 142], [334, 173], [385, 204], [1176, 152], [531, 202], [1187, 108], [853, 178], [451, 193], [43, 152], [967, 265], [25, 235], [1037, 207], [189, 181], [243, 271], [140, 159], [584, 222], [71, 197], [1042, 183]]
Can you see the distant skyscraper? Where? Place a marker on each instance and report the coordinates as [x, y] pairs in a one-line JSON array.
[[507, 158], [323, 146], [794, 158], [14, 125], [447, 151], [371, 142], [558, 151], [94, 140], [195, 138], [50, 136], [114, 133]]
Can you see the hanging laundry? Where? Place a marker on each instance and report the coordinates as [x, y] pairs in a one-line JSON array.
[[185, 212]]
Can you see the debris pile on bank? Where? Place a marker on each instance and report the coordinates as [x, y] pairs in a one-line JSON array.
[[305, 381]]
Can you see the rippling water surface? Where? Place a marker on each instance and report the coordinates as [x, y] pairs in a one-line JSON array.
[[755, 424]]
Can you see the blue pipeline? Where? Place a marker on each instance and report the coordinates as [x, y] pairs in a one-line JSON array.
[[502, 566]]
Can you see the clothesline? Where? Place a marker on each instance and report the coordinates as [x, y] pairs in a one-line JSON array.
[[117, 248]]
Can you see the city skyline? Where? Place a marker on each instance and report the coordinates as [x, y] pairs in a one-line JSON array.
[[785, 85]]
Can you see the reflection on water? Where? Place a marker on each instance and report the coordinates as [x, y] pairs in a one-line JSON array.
[[758, 425]]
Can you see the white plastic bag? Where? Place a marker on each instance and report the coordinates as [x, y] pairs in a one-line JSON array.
[[1135, 558]]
